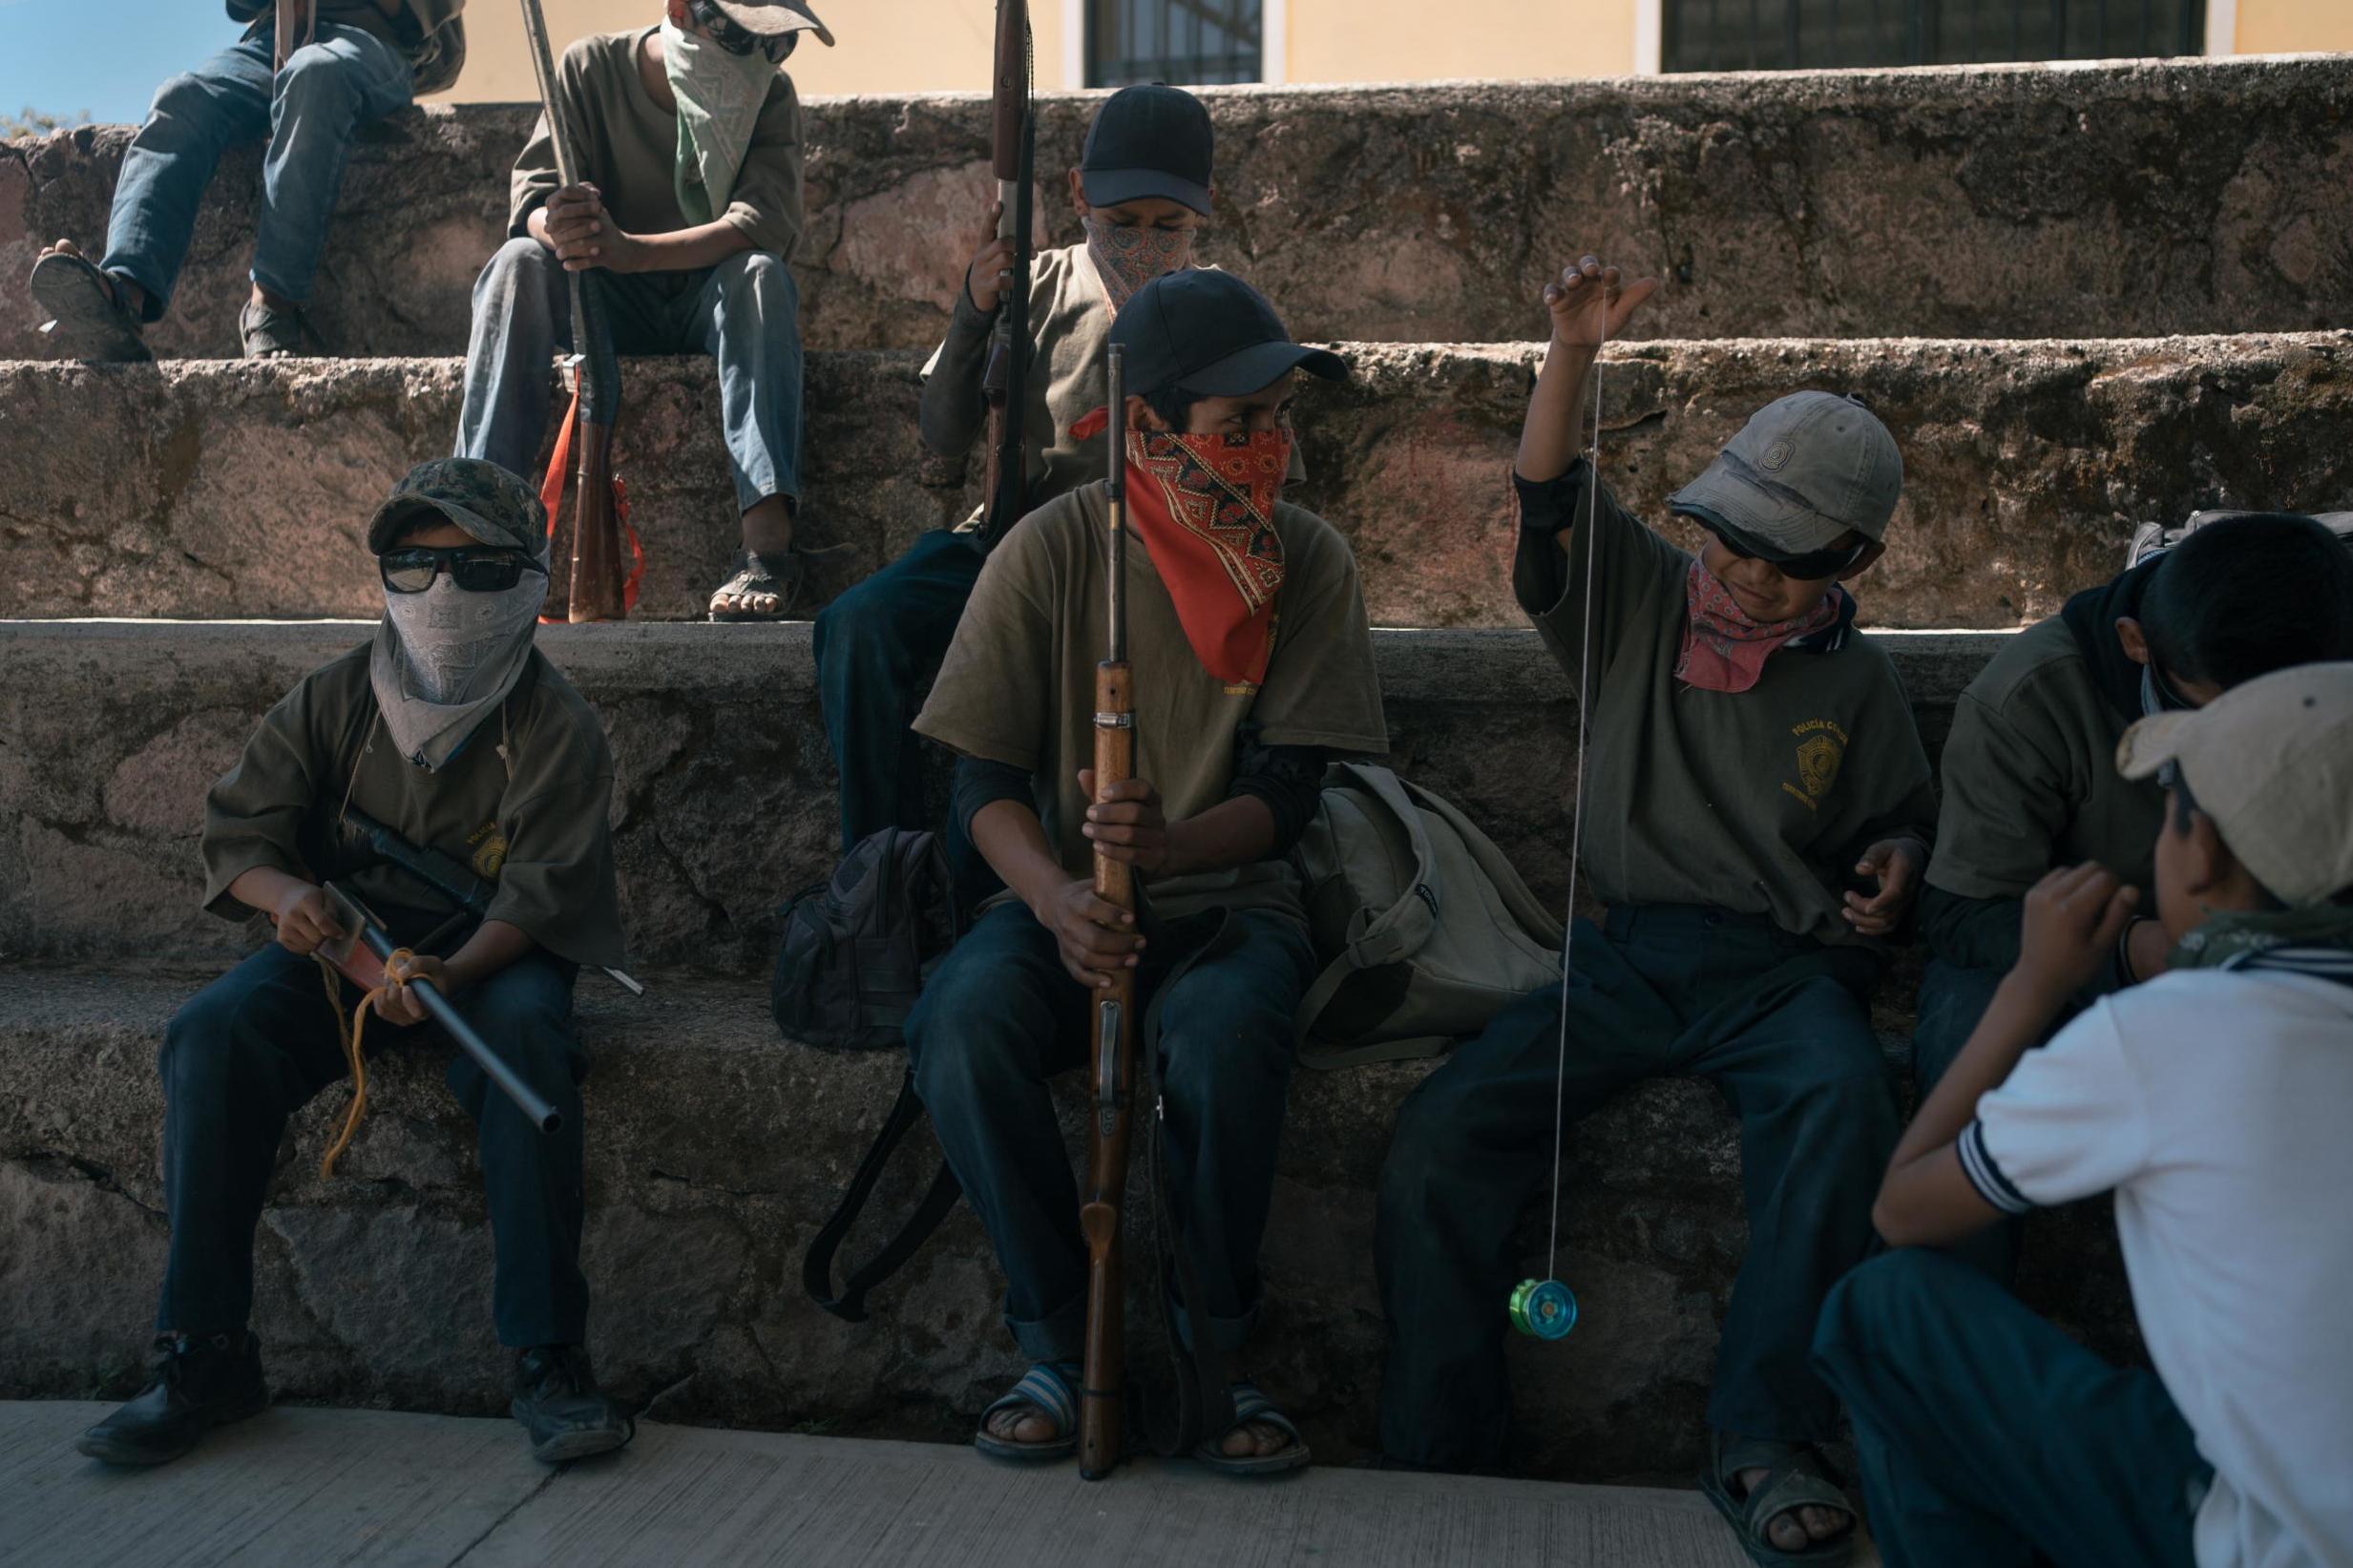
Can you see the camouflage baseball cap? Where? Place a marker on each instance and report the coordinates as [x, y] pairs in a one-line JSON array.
[[487, 501]]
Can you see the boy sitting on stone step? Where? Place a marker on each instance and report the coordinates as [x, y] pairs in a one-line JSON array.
[[451, 728], [1141, 191], [688, 207], [1252, 660], [1752, 760], [306, 75], [2029, 770], [2211, 1101]]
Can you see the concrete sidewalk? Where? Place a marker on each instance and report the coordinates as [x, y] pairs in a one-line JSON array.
[[315, 1487]]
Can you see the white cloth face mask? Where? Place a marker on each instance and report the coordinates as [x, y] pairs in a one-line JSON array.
[[720, 97]]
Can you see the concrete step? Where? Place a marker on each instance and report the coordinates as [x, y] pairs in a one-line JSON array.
[[714, 1154], [111, 731], [199, 488], [305, 1486], [2124, 197]]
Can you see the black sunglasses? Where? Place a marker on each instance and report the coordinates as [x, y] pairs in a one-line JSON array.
[[1814, 564], [475, 569], [737, 39]]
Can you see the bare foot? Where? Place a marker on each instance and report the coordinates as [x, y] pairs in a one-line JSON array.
[[1254, 1439], [1795, 1529], [1023, 1423], [119, 289]]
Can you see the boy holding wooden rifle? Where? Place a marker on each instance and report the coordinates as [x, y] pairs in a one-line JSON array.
[[453, 729], [688, 207], [1252, 661], [1141, 191], [306, 75], [1761, 806]]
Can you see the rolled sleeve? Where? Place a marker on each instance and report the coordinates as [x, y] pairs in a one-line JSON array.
[[254, 813], [765, 205]]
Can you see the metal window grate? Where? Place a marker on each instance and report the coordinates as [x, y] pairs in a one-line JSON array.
[[1188, 42], [1816, 35]]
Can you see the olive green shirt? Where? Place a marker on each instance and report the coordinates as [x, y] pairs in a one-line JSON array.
[[631, 154], [1017, 687], [1757, 802], [2030, 778], [524, 804]]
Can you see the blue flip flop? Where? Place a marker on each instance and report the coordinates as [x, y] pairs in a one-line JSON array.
[[1250, 1403], [1045, 1387]]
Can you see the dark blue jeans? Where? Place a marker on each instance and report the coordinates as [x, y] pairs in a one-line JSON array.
[[745, 313], [257, 1044], [310, 111], [1000, 1016], [1988, 1437], [1778, 1023]]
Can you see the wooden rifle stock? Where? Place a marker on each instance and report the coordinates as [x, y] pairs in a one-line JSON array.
[[1115, 1029], [1012, 158], [597, 584]]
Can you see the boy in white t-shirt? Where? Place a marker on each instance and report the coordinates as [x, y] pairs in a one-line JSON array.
[[2211, 1101]]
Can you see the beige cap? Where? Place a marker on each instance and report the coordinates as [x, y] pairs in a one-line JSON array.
[[2271, 763]]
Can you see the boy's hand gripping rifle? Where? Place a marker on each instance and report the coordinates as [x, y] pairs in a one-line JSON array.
[[1005, 383], [598, 590], [1114, 1009]]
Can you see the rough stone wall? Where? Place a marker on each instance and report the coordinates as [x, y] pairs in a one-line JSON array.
[[2135, 200], [714, 1152], [209, 488], [725, 793]]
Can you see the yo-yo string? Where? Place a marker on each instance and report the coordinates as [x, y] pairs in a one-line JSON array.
[[1576, 809]]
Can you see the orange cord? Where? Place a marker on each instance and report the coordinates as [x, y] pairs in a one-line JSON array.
[[352, 1034]]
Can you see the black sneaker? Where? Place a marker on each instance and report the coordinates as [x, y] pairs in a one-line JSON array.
[[557, 1400], [199, 1384]]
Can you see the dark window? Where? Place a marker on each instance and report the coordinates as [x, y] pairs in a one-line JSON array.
[[1188, 42], [1814, 34]]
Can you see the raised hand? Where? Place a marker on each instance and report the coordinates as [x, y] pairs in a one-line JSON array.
[[1591, 303], [2074, 917]]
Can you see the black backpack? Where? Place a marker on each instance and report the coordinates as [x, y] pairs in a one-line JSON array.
[[856, 950]]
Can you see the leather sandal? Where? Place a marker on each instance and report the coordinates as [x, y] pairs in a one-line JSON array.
[[87, 312]]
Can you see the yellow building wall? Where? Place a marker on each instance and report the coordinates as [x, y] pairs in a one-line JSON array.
[[1396, 41], [2289, 27]]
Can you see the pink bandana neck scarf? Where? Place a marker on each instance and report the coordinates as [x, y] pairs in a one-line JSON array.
[[1723, 649], [1127, 258]]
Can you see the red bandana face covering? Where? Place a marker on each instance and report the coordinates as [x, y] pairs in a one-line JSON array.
[[1129, 257], [1723, 649], [1203, 505]]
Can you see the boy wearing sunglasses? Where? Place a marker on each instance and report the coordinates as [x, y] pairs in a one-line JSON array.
[[2029, 783], [1756, 810], [689, 207], [450, 727]]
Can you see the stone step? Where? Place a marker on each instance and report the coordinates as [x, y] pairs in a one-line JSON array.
[[198, 488], [715, 1152], [2123, 197], [724, 800]]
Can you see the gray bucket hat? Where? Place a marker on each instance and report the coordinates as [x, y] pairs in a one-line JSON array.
[[487, 501], [1804, 469]]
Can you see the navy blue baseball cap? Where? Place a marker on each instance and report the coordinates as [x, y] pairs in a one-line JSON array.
[[1208, 332], [1152, 141]]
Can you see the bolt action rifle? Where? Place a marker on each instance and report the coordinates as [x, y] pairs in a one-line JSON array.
[[1114, 1007], [598, 590], [1005, 383]]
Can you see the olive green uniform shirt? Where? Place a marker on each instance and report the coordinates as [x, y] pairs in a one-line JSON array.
[[1017, 687], [1757, 802], [2030, 778], [524, 804], [632, 152]]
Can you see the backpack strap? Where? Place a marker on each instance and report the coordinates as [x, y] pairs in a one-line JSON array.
[[817, 1267], [1399, 930]]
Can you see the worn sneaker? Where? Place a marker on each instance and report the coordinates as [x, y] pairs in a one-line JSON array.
[[557, 1402], [197, 1385], [269, 333]]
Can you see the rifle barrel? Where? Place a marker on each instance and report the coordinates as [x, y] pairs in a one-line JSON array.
[[530, 1101]]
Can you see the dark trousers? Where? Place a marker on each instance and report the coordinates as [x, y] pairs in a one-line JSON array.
[[1778, 1023], [254, 1046], [1988, 1437], [1000, 1016]]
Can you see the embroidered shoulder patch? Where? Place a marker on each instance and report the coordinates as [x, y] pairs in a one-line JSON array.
[[487, 850]]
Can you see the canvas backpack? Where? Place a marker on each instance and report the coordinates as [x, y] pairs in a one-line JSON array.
[[1424, 930], [856, 951], [2155, 539]]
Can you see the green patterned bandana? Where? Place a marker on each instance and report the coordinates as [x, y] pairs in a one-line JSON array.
[[719, 96], [2317, 940]]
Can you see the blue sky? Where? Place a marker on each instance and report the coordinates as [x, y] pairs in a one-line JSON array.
[[68, 56]]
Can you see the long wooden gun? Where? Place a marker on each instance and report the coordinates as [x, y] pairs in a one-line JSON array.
[[1013, 157], [599, 589], [1103, 1378]]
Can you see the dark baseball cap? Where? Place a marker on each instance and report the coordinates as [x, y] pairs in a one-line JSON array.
[[487, 502], [1205, 331], [1152, 141], [774, 18]]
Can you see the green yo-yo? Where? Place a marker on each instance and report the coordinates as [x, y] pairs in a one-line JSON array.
[[1544, 1310]]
